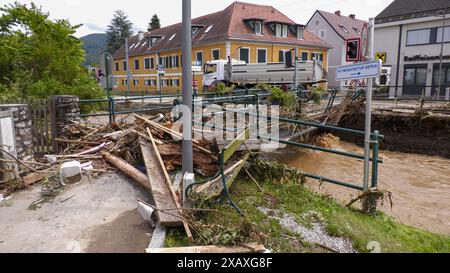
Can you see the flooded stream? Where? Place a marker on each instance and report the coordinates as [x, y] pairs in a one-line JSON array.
[[420, 184]]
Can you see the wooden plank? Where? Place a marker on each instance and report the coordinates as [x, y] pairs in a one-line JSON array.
[[169, 184], [214, 187], [244, 248], [46, 134], [231, 148], [33, 178], [160, 190]]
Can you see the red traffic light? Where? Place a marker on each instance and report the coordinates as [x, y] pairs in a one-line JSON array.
[[353, 51]]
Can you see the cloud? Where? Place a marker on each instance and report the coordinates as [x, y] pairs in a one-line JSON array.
[[94, 27]]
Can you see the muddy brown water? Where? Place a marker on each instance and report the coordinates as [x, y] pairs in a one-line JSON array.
[[420, 184]]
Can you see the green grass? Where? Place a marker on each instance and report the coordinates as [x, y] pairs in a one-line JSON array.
[[297, 200]]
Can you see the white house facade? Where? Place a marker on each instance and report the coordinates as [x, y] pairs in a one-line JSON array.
[[335, 29], [408, 33]]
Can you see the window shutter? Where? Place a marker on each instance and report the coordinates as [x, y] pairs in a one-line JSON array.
[[177, 61], [281, 56]]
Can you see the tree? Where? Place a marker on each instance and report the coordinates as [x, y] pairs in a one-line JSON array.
[[120, 27], [40, 57], [154, 23]]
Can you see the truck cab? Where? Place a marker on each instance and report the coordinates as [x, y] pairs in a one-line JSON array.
[[215, 71]]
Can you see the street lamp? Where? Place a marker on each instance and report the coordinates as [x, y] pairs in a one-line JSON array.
[[441, 13]]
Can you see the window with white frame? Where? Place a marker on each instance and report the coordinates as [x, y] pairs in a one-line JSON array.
[[304, 56], [215, 54], [199, 57], [284, 33], [136, 82], [175, 82], [147, 63], [317, 56], [418, 37], [446, 35], [164, 82], [278, 28], [117, 66], [258, 27], [300, 33], [147, 82], [262, 55], [174, 61], [322, 33]]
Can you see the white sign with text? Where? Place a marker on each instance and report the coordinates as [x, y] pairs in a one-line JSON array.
[[371, 69]]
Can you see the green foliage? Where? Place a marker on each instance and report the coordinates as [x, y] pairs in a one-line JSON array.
[[316, 94], [119, 28], [294, 199], [40, 57], [154, 23], [222, 89], [279, 96]]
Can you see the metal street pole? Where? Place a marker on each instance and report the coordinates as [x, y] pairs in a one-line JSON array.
[[442, 52], [187, 88], [296, 69], [367, 136], [128, 67]]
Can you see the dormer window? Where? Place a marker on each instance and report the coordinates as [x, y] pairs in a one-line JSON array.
[[196, 29], [153, 40], [256, 25], [343, 28]]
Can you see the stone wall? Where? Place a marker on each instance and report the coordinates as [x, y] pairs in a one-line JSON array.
[[65, 110], [23, 129]]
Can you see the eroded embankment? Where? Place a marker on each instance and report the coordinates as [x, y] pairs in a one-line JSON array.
[[408, 133]]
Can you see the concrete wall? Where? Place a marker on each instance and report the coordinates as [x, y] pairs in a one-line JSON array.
[[23, 129]]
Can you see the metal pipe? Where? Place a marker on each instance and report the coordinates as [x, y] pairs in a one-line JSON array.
[[187, 156], [316, 148], [333, 181], [375, 160]]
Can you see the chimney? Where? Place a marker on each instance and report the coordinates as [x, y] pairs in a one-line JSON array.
[[140, 35], [352, 16], [338, 13]]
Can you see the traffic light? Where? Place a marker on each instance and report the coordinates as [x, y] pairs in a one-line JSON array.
[[353, 50]]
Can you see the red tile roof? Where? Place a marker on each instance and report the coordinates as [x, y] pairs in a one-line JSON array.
[[226, 24], [349, 23]]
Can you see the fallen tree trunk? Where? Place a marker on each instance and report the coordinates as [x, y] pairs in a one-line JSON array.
[[128, 169]]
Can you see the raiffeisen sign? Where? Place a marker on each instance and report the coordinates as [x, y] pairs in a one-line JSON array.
[[417, 58]]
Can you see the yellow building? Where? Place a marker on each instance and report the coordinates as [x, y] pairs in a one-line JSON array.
[[248, 32]]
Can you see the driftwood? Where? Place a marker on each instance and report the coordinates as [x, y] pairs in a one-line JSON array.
[[244, 248], [128, 169], [214, 188]]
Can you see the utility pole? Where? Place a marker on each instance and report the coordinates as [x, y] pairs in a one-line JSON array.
[[442, 52], [127, 63], [296, 68], [187, 156]]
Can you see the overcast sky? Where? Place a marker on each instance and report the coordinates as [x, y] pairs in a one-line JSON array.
[[96, 14]]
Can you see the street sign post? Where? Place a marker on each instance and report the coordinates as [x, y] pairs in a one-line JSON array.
[[365, 70]]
